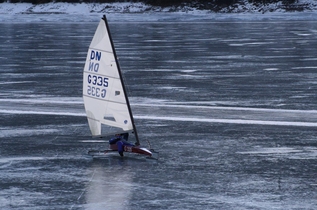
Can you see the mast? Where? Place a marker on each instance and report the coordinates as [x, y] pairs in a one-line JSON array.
[[122, 82]]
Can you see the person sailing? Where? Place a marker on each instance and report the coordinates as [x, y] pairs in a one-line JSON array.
[[119, 141]]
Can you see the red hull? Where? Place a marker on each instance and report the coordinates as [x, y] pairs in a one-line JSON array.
[[138, 150], [128, 149], [132, 149]]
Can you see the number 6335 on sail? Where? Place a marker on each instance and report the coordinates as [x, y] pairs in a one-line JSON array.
[[100, 82]]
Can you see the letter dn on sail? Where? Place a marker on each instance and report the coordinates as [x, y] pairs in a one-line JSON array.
[[95, 55]]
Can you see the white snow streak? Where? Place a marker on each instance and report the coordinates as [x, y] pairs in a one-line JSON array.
[[232, 121], [181, 119]]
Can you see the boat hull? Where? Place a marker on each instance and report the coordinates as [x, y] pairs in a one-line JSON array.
[[127, 149]]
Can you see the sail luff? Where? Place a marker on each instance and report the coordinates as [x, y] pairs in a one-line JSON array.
[[121, 78], [104, 98]]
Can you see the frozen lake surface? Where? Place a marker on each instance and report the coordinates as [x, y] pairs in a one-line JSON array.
[[229, 104]]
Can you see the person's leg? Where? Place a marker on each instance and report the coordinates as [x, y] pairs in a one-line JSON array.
[[126, 143], [120, 147]]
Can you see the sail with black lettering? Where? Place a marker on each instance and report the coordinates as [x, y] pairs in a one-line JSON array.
[[106, 103]]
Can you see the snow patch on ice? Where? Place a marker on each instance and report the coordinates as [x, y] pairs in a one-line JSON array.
[[274, 150], [46, 100], [287, 152], [7, 111], [271, 69], [25, 132], [129, 11], [230, 121]]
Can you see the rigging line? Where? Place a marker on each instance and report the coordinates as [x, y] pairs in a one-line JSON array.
[[128, 92], [120, 74], [126, 86], [148, 141], [84, 190], [149, 144]]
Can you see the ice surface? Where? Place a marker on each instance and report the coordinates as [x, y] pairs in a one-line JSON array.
[[238, 136], [176, 112]]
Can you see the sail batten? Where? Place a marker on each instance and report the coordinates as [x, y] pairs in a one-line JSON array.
[[115, 102], [101, 50], [106, 104]]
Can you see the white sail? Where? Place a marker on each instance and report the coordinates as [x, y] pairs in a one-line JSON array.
[[104, 97]]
